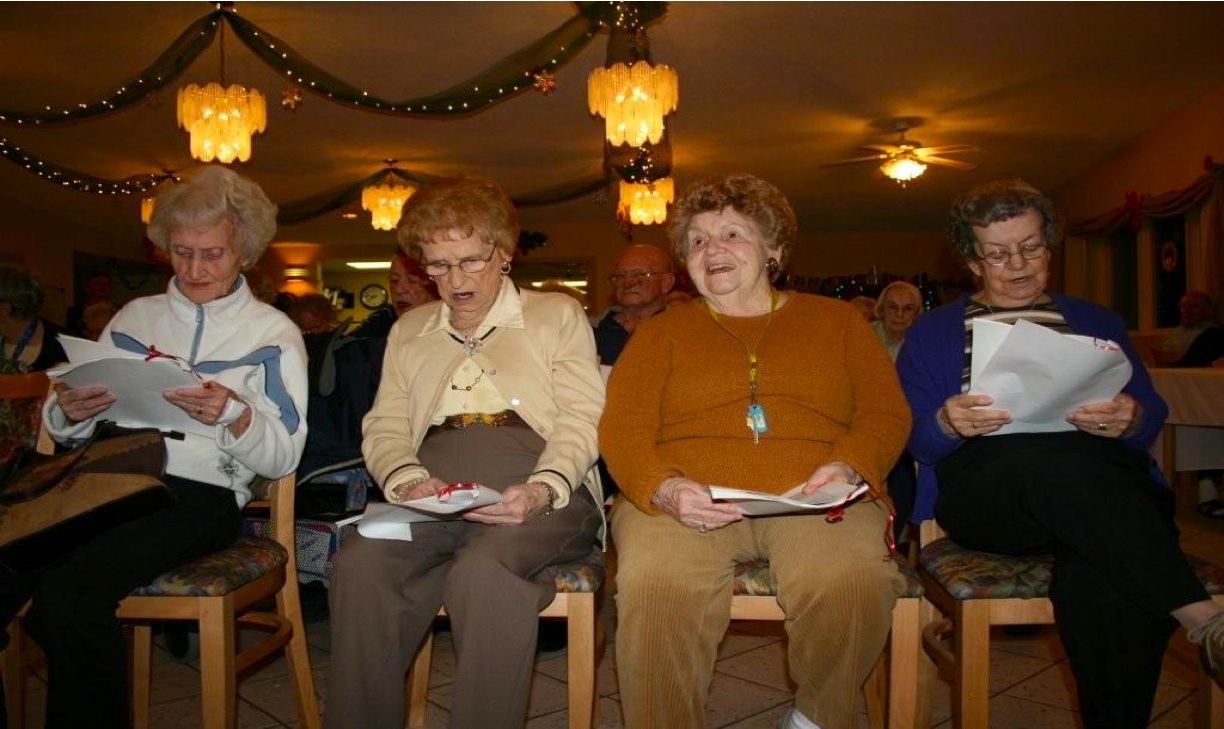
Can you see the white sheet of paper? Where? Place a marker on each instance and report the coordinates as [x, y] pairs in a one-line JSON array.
[[387, 521], [760, 503], [459, 501], [1039, 375], [136, 384]]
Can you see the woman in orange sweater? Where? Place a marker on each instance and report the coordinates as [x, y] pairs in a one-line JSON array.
[[752, 388]]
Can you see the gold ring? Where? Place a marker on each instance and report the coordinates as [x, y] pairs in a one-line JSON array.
[[1102, 426]]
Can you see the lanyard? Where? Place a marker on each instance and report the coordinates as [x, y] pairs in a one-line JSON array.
[[26, 335], [756, 420]]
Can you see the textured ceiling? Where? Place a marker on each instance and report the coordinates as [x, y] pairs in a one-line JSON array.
[[1044, 90]]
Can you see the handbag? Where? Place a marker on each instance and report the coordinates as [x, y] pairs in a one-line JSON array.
[[52, 505]]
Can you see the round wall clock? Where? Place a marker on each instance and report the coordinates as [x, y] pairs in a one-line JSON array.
[[373, 296]]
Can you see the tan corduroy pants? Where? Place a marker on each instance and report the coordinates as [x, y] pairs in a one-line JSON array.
[[674, 588]]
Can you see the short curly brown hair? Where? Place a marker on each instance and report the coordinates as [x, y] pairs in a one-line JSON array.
[[994, 202], [459, 207], [748, 195]]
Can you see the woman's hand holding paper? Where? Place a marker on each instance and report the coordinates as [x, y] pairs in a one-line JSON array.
[[1108, 419], [962, 415], [83, 403]]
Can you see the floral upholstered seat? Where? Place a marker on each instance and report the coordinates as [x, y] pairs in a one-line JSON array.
[[970, 575], [584, 575], [752, 577], [220, 572]]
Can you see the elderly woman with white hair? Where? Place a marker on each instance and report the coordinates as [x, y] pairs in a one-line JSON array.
[[898, 305], [213, 224]]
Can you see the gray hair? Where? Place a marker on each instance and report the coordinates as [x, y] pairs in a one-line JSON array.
[[21, 291], [994, 202], [210, 196], [905, 286], [750, 196]]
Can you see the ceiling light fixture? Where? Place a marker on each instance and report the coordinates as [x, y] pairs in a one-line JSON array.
[[385, 203], [221, 119], [633, 99], [645, 203], [903, 167]]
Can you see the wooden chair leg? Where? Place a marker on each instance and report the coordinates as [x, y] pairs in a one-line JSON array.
[[971, 690], [297, 654], [905, 653], [580, 616], [142, 673], [14, 676], [417, 685], [1209, 710], [218, 684]]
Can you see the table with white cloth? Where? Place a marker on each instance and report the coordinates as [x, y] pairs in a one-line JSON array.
[[1193, 436]]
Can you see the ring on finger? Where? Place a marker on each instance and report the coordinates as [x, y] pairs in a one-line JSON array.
[[1102, 426], [702, 528]]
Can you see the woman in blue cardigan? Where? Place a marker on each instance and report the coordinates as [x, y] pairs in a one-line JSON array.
[[1090, 494]]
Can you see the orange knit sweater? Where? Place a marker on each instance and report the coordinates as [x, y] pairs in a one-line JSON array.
[[678, 398]]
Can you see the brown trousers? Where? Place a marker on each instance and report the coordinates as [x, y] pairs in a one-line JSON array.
[[493, 581], [673, 595]]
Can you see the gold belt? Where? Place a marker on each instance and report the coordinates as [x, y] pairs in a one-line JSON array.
[[506, 418]]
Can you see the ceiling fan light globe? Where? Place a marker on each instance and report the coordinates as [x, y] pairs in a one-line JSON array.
[[903, 169]]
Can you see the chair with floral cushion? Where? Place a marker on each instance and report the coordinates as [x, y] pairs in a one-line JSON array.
[[977, 590], [893, 689], [222, 592], [578, 587]]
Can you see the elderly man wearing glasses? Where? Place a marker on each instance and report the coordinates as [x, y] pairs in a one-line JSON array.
[[1091, 495], [642, 280]]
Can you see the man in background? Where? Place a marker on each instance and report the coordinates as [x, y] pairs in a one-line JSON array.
[[641, 282], [1196, 312]]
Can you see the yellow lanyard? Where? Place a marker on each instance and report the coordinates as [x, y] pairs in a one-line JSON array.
[[753, 362]]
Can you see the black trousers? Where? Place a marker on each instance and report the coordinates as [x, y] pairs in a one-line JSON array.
[[1118, 569], [72, 614]]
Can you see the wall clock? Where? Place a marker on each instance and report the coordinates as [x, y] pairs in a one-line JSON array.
[[373, 296]]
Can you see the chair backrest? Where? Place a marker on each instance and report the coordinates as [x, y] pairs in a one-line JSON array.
[[27, 385]]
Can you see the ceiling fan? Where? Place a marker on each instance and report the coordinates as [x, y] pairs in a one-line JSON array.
[[907, 159]]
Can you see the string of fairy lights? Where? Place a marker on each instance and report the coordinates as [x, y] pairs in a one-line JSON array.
[[531, 68]]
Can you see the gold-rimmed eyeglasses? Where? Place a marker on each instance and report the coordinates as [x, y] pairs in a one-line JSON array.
[[1029, 252], [438, 269]]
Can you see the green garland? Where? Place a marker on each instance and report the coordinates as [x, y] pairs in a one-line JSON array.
[[509, 77]]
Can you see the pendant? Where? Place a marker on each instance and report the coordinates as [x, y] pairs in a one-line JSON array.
[[757, 422]]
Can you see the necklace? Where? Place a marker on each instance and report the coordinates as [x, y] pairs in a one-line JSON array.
[[756, 421], [471, 344], [1032, 305], [469, 386]]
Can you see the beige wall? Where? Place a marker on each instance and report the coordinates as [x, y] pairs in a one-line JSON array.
[[1169, 157]]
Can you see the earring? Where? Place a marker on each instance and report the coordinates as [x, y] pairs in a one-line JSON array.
[[505, 268], [772, 266]]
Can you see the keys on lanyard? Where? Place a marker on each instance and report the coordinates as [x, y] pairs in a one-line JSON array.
[[757, 422]]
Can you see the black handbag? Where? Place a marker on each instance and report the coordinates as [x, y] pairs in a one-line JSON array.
[[51, 505]]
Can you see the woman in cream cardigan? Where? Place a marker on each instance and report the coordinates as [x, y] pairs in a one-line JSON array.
[[490, 385]]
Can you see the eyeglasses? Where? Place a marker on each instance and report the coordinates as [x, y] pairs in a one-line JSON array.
[[1029, 252], [438, 269], [627, 276]]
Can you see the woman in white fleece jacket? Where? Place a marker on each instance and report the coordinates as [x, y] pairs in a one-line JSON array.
[[253, 400]]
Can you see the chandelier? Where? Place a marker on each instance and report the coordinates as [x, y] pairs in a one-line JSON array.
[[633, 99], [221, 119], [385, 202], [903, 167], [645, 203]]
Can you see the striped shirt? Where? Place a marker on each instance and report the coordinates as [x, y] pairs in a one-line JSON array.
[[1047, 315]]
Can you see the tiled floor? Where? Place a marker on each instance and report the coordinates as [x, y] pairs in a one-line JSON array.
[[1030, 683]]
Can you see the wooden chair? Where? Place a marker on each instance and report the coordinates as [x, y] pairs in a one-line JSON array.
[[976, 591], [892, 690], [578, 588], [221, 592]]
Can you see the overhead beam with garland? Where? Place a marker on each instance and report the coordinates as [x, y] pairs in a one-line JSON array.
[[528, 68]]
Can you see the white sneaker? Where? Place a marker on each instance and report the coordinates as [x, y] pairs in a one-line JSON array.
[[794, 719]]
